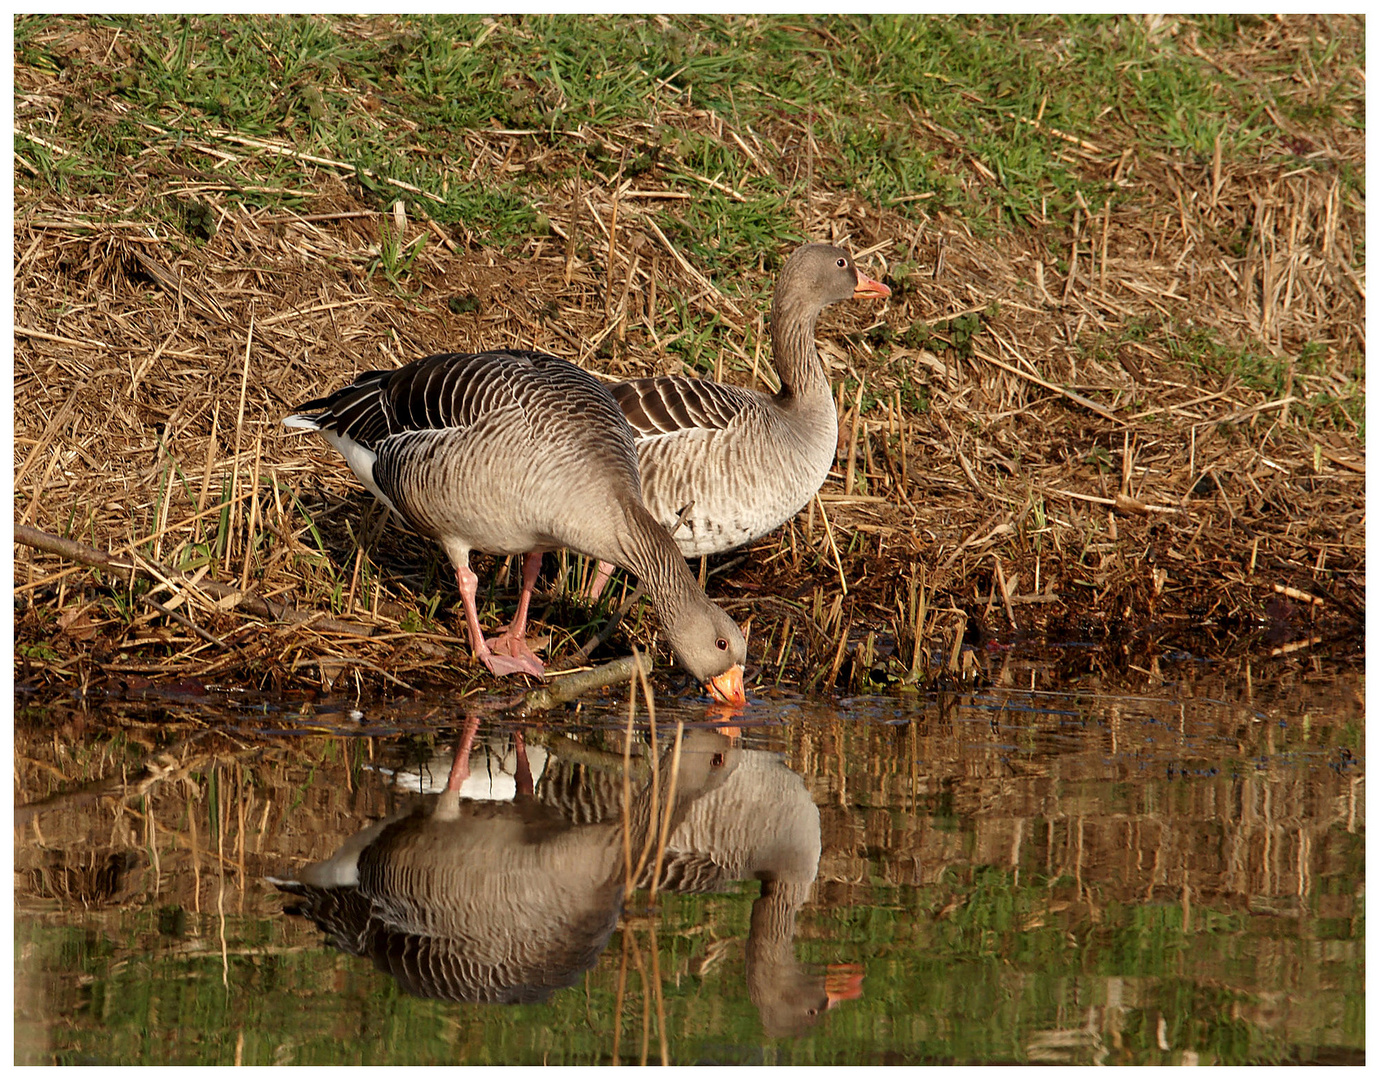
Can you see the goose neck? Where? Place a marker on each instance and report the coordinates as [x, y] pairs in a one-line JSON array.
[[651, 554], [793, 347]]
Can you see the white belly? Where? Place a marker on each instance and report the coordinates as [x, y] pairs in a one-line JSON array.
[[740, 490]]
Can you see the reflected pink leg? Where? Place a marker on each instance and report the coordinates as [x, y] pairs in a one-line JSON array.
[[460, 767], [524, 768]]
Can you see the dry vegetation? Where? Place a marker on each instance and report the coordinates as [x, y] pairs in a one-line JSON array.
[[1108, 431]]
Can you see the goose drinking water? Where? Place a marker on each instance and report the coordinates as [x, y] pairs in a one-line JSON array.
[[512, 452]]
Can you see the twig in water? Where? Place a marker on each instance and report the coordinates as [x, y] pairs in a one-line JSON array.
[[603, 635], [182, 620], [569, 687]]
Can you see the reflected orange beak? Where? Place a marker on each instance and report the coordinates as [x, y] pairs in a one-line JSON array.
[[724, 718], [868, 288], [843, 982], [728, 687]]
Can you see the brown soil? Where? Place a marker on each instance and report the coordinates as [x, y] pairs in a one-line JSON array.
[[1072, 479]]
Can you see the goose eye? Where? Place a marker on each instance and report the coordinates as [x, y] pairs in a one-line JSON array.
[[842, 264], [717, 761], [721, 644]]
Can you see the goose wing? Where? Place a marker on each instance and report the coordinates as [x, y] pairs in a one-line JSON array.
[[448, 390], [671, 404]]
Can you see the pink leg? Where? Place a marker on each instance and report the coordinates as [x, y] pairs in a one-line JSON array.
[[512, 642], [499, 665], [460, 767], [601, 578]]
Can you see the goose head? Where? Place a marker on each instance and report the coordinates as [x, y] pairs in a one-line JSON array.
[[710, 646], [818, 275]]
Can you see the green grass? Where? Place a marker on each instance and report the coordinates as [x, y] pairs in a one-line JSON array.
[[891, 114], [978, 983], [906, 113]]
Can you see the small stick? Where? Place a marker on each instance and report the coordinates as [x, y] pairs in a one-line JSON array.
[[829, 532], [756, 353], [627, 781], [354, 579], [210, 464], [853, 440], [901, 423], [1078, 399], [51, 430], [613, 236], [1073, 259], [838, 657], [574, 230], [182, 620], [569, 687], [651, 296], [1106, 227], [1216, 169], [1126, 462], [1296, 594], [162, 519], [31, 513], [621, 333], [1295, 646], [656, 787], [284, 151], [664, 836], [239, 430], [918, 613], [1005, 593], [253, 511], [959, 627]]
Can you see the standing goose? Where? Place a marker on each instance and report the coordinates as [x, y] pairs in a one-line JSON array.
[[746, 462], [514, 452]]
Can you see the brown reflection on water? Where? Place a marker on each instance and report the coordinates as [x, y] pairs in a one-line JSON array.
[[1204, 800], [145, 832]]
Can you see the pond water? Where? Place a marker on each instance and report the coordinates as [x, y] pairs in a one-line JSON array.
[[1164, 869]]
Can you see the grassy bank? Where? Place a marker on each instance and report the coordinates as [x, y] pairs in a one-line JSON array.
[[1117, 395]]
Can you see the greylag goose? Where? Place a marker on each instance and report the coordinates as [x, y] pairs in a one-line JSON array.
[[490, 901], [745, 462], [513, 452]]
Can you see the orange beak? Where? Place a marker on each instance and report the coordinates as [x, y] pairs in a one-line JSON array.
[[843, 983], [867, 288], [728, 687]]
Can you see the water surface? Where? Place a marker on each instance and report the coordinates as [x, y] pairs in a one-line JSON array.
[[1124, 870]]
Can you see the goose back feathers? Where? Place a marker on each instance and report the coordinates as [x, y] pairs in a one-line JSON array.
[[490, 449]]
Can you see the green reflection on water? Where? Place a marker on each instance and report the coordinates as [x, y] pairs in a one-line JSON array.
[[1154, 886], [986, 972]]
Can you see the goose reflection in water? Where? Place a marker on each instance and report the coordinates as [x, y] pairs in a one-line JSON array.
[[501, 890]]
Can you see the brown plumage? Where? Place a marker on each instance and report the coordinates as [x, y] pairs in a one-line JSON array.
[[746, 462], [513, 452]]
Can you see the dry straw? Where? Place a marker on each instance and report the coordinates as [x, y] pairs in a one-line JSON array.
[[1071, 431]]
